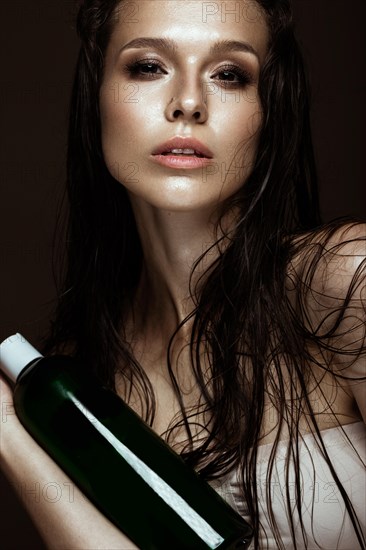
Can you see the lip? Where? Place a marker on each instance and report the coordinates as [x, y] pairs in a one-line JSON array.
[[178, 142], [160, 156], [181, 162]]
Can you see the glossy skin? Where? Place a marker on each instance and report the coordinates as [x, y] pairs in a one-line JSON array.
[[174, 208], [215, 101], [219, 108]]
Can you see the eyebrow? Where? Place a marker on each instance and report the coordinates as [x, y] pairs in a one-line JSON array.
[[225, 46], [221, 46]]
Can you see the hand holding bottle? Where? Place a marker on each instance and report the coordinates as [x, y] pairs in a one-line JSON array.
[[71, 521], [115, 458]]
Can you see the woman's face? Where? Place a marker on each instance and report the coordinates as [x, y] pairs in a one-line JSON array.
[[182, 69]]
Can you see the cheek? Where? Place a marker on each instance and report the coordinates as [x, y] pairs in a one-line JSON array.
[[248, 117], [238, 114], [254, 125], [251, 125], [243, 131], [116, 123], [242, 128], [120, 124], [255, 121]]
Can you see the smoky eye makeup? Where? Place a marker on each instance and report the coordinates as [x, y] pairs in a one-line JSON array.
[[233, 75], [144, 68], [227, 75]]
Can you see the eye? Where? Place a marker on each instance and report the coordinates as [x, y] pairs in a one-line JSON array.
[[145, 68], [231, 75]]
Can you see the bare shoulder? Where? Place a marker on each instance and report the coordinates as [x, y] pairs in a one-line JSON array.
[[344, 251], [347, 238], [327, 284], [328, 261]]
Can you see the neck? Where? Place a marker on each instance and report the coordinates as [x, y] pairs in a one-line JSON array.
[[172, 242]]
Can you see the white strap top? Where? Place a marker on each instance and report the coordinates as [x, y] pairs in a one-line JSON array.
[[326, 521]]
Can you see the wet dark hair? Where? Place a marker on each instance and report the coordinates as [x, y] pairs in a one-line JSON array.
[[253, 333]]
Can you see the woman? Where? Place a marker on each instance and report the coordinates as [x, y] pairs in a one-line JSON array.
[[200, 285]]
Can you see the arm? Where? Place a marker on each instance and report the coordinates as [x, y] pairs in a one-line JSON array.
[[69, 522]]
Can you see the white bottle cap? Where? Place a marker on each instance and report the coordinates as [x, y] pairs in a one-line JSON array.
[[15, 354]]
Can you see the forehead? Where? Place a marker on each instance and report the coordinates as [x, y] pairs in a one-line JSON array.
[[191, 22]]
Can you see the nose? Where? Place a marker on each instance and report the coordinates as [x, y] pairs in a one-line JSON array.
[[188, 104]]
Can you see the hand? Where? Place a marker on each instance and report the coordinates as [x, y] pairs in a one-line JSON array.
[[9, 422], [69, 522]]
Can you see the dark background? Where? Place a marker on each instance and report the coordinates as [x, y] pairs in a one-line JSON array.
[[39, 48]]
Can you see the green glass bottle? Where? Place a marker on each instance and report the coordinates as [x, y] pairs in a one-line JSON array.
[[115, 458]]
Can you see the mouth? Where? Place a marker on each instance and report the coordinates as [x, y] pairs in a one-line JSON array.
[[184, 153], [183, 147]]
